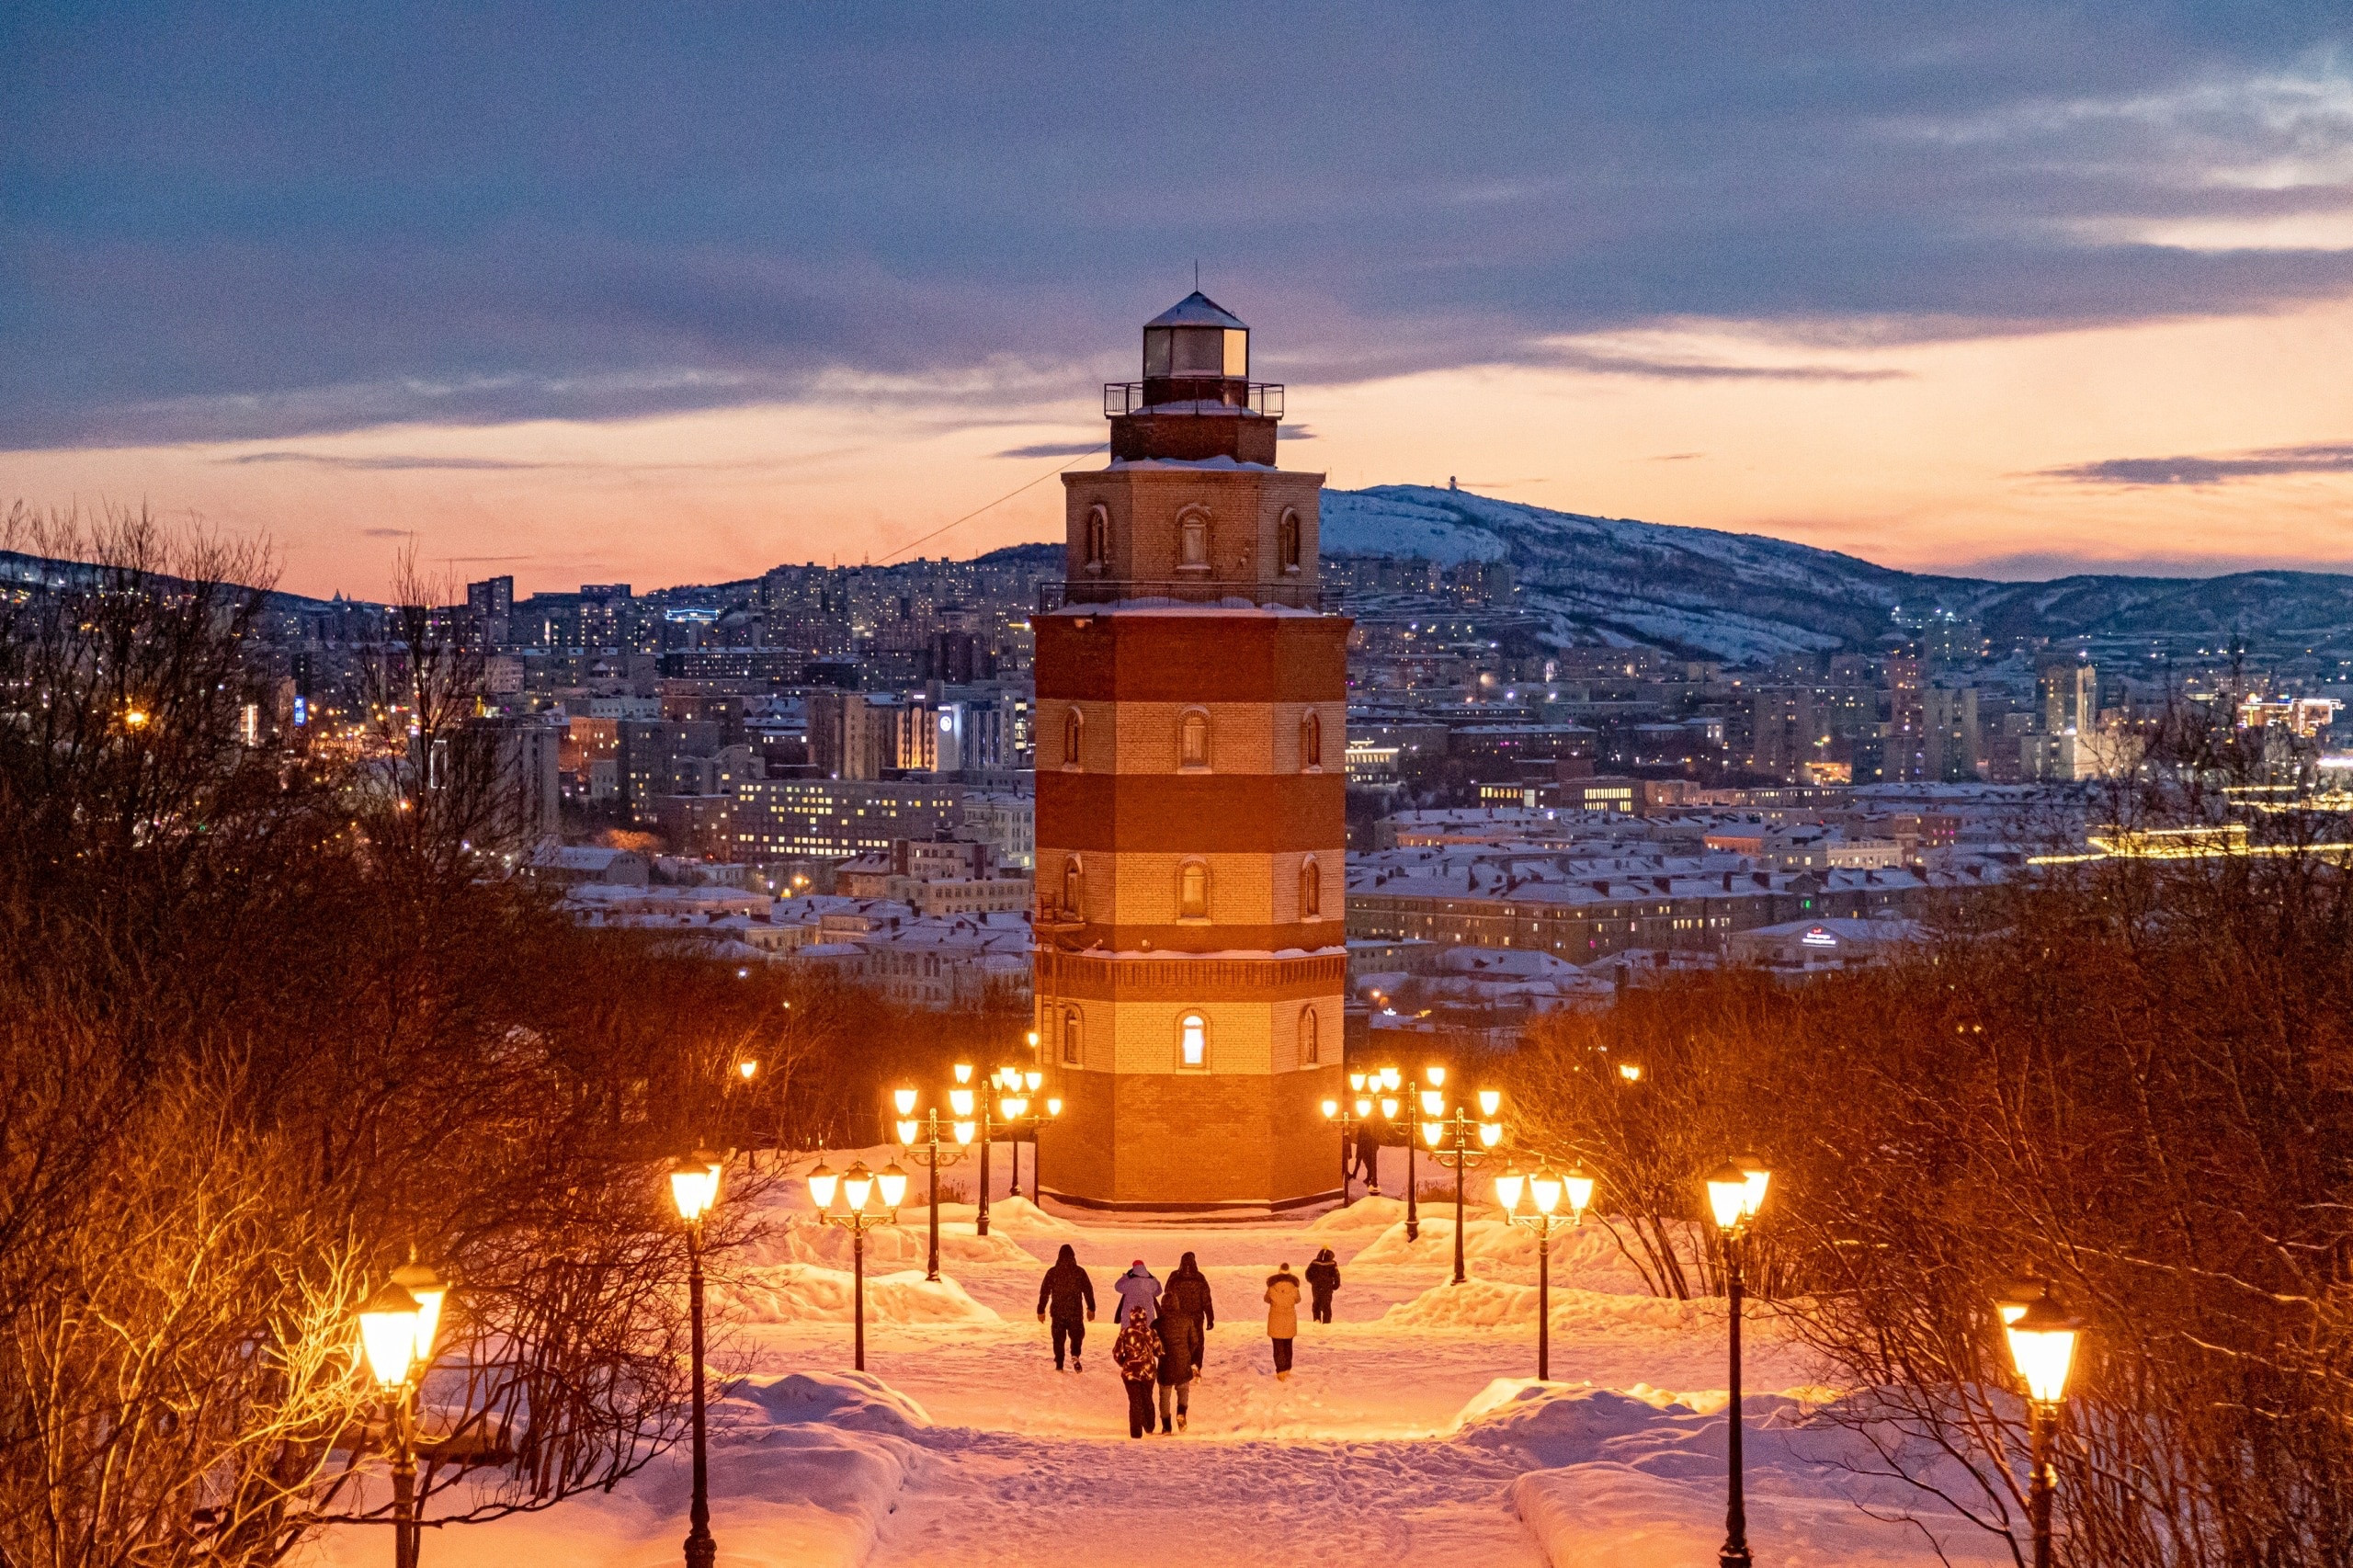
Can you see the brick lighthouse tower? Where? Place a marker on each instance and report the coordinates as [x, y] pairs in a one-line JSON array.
[[1191, 828]]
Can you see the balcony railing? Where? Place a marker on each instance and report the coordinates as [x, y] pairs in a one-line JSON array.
[[1202, 396], [1180, 590]]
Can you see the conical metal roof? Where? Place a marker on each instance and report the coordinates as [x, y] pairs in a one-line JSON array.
[[1198, 308]]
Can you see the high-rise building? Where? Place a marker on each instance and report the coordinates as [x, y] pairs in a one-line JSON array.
[[2067, 690], [1192, 718]]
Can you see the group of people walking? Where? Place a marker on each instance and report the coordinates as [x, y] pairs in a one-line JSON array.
[[1164, 1327]]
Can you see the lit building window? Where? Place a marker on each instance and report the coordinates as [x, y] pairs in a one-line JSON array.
[[1193, 1040]]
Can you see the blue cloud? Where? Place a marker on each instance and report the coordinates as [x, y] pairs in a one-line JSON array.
[[241, 222]]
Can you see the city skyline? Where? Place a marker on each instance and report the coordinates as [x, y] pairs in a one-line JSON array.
[[2012, 297]]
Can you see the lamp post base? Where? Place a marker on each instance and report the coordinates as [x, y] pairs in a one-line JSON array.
[[702, 1551]]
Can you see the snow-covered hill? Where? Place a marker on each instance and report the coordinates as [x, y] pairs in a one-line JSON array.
[[1745, 597]]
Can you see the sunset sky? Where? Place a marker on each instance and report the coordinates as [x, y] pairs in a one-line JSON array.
[[666, 295]]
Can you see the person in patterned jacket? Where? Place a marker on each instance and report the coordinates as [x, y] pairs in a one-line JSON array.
[[1137, 1354]]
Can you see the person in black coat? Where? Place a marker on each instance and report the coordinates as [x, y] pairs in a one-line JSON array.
[[1186, 1313], [1323, 1279], [1062, 1293]]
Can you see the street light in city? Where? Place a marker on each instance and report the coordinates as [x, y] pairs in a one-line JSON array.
[[1542, 1193], [1389, 1086], [2042, 1347], [1022, 1103], [859, 1213], [919, 1136], [397, 1328], [1351, 1114], [1735, 1192], [694, 1189], [1458, 1140]]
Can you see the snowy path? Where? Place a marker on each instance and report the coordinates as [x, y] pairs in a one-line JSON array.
[[1410, 1427], [1009, 1500]]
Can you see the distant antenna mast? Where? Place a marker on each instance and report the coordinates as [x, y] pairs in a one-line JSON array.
[[1197, 275]]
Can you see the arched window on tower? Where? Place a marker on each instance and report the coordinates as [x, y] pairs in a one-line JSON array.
[[1071, 1052], [1310, 890], [1193, 740], [1311, 744], [1193, 891], [1193, 540], [1098, 540], [1309, 1045], [1071, 727], [1074, 888], [1287, 541], [1192, 1040]]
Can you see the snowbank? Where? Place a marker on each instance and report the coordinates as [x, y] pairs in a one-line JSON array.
[[1355, 1219], [800, 1239], [805, 1293], [855, 1402], [1637, 1477], [804, 1471], [1495, 1303]]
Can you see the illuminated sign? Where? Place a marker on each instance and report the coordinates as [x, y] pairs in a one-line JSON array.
[[1818, 938], [302, 710]]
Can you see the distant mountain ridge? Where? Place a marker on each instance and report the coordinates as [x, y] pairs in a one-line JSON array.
[[1745, 597]]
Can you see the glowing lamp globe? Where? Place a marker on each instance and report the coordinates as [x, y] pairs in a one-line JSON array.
[[2042, 1345], [906, 1100], [894, 1183], [909, 1131], [1508, 1186], [1364, 1108], [959, 1102], [1031, 1079], [748, 1068], [963, 1072], [857, 1187], [1433, 1103], [429, 1290], [1389, 1107], [1544, 1188], [1728, 1195], [388, 1334], [694, 1187], [1391, 1080], [1018, 1107], [1491, 1133], [1053, 1105], [1490, 1102], [1759, 1178], [964, 1130], [1331, 1109], [1436, 1074], [1580, 1189], [1432, 1132], [1356, 1082], [822, 1181]]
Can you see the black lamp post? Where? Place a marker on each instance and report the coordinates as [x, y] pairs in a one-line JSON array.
[[2042, 1347], [919, 1136], [1543, 1192], [857, 1214], [694, 1187], [1735, 1192], [1022, 1106], [1350, 1115], [1455, 1141], [396, 1333]]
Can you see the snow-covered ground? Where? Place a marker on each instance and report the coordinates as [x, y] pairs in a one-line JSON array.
[[1413, 1423]]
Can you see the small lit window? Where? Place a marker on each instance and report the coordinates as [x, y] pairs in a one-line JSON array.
[[1193, 1040]]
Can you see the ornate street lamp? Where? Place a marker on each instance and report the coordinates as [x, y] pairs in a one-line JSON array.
[[1458, 1142], [2042, 1347], [919, 1136], [397, 1329], [694, 1189], [1389, 1084], [857, 1214], [1735, 1192], [1022, 1103], [1351, 1114], [1543, 1193]]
